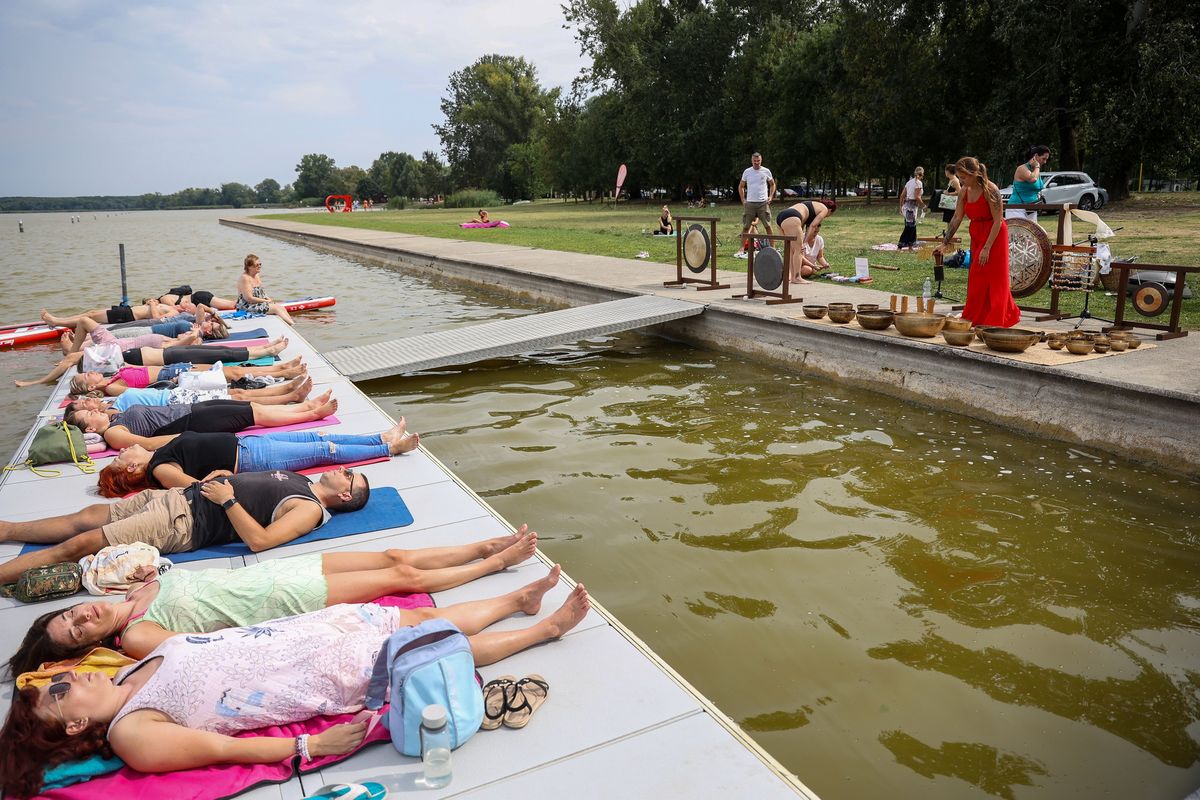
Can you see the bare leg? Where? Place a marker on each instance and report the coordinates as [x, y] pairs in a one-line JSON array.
[[275, 416], [72, 549], [473, 617], [505, 551], [278, 310], [488, 648], [56, 529], [280, 395], [274, 348], [99, 314]]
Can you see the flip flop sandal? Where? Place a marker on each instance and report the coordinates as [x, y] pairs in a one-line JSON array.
[[368, 790], [528, 694], [495, 701]]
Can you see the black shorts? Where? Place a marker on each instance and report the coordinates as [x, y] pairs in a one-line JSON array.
[[119, 314], [203, 354], [212, 416], [788, 213], [133, 356], [202, 298]]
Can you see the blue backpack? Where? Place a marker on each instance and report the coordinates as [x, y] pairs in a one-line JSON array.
[[427, 663]]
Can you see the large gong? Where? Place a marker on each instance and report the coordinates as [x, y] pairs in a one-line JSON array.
[[1028, 257], [696, 248], [768, 268]]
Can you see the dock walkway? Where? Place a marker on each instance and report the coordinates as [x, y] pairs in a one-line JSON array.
[[618, 722]]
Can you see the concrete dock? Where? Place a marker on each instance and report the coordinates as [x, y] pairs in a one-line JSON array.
[[1140, 405]]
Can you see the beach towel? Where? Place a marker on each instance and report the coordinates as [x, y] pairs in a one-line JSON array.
[[494, 224], [96, 778]]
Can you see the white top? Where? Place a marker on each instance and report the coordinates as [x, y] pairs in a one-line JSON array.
[[813, 250], [756, 184], [913, 189]]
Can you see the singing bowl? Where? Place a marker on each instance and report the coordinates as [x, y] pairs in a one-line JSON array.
[[1079, 347], [841, 305], [1009, 340], [1134, 343], [1101, 347], [875, 320], [868, 307], [1118, 344], [917, 325], [958, 338], [958, 324], [1056, 342], [840, 314], [814, 312]]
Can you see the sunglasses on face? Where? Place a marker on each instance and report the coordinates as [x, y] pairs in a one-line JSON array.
[[59, 686]]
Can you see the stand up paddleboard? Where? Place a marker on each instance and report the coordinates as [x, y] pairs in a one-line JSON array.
[[27, 333]]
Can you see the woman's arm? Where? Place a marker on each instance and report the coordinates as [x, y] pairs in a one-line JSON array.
[[997, 220], [245, 288], [954, 223], [149, 742], [59, 370], [119, 436], [1029, 171], [170, 475]]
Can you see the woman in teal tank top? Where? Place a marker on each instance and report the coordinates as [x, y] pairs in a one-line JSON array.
[[1027, 182], [201, 601]]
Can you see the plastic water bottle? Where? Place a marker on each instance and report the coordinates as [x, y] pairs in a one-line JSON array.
[[435, 747], [927, 291]]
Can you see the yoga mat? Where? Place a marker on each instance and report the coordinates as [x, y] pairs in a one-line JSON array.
[[261, 340], [323, 468], [257, 333], [265, 361], [385, 509]]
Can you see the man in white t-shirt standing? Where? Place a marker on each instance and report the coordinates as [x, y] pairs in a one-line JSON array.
[[756, 189]]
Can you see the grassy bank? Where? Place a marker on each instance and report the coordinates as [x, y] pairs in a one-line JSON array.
[[1158, 228]]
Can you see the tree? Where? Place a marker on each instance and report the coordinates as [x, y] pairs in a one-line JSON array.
[[435, 177], [267, 191], [315, 176], [492, 104], [236, 195]]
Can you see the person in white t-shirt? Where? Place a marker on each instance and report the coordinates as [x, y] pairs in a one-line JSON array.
[[910, 201], [756, 189], [814, 253]]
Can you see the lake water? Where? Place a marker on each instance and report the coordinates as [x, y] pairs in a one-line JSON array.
[[894, 601]]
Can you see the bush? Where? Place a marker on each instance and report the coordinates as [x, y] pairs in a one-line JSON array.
[[473, 198], [398, 203]]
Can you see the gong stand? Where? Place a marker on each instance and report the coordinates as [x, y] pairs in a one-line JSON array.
[[784, 295], [1171, 331], [680, 278], [939, 272]]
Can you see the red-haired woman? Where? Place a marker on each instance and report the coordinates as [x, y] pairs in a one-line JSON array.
[[989, 291]]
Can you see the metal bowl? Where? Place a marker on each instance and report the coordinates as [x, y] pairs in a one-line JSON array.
[[922, 326], [840, 314], [868, 307], [1056, 342], [1134, 343], [958, 324], [875, 320], [958, 338], [1118, 344], [1101, 347], [1079, 347], [841, 305], [814, 312], [1009, 340]]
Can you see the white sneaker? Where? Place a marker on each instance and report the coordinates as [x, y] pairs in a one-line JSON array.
[[740, 255]]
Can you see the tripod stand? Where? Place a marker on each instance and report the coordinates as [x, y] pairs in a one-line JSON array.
[[1070, 277]]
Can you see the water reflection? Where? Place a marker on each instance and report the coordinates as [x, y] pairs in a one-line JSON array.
[[980, 765]]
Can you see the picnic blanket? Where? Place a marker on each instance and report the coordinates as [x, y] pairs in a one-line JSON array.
[[499, 223]]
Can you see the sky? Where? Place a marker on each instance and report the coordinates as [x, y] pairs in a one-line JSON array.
[[128, 97]]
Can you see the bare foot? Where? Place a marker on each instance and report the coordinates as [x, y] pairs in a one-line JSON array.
[[801, 280], [295, 362], [530, 597], [327, 410], [570, 614], [489, 547], [278, 346], [300, 390], [404, 443], [22, 384], [66, 341], [317, 402], [519, 551]]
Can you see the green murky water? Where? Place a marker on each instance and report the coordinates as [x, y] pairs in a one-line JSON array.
[[894, 601]]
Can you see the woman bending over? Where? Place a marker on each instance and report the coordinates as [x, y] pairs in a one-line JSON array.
[[176, 709], [202, 601], [192, 456]]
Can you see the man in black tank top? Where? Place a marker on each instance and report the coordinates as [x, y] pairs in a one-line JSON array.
[[263, 509]]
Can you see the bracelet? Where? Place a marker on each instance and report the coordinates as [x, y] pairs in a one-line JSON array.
[[302, 747], [230, 503]]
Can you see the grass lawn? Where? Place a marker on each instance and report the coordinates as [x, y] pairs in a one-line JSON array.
[[1158, 228]]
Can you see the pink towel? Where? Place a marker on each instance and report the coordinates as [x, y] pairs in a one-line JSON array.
[[228, 780], [497, 224]]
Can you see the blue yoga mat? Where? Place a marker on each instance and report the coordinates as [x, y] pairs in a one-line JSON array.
[[257, 333], [385, 509]]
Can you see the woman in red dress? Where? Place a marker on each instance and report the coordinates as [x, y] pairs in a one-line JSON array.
[[989, 293]]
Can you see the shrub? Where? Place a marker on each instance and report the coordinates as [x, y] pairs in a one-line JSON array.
[[473, 198], [398, 203]]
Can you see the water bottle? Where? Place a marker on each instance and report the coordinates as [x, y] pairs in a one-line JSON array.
[[435, 746], [927, 292]]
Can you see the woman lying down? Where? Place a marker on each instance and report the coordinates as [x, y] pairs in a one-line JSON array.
[[178, 708]]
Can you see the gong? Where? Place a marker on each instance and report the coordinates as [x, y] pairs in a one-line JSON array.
[[768, 268], [1150, 299], [696, 248], [1028, 257]]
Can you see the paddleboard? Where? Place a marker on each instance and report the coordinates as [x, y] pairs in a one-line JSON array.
[[303, 304]]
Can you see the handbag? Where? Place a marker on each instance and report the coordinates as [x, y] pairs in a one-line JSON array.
[[948, 202], [109, 571], [56, 443], [103, 358], [47, 582]]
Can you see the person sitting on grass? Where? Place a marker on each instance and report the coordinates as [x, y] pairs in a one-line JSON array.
[[192, 456], [202, 601], [175, 710], [666, 224], [482, 219], [261, 509]]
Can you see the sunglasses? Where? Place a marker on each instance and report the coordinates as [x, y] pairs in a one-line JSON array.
[[59, 686], [352, 475]]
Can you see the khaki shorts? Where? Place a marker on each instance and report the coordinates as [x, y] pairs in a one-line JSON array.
[[757, 211], [160, 517]]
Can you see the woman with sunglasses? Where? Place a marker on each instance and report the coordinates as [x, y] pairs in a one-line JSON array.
[[252, 297], [193, 456], [202, 601], [180, 707]]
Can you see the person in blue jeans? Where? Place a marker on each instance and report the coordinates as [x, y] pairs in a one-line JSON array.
[[192, 456]]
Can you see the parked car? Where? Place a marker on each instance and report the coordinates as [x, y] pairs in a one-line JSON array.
[[1076, 188]]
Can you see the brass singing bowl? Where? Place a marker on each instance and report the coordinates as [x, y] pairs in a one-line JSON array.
[[868, 307], [841, 305], [958, 324], [921, 326], [1009, 340], [1056, 342], [875, 320], [1101, 347], [1134, 343], [814, 312], [840, 314], [1118, 344], [1079, 347], [958, 338]]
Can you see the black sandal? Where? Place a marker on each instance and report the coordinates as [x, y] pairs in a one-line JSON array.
[[492, 718]]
